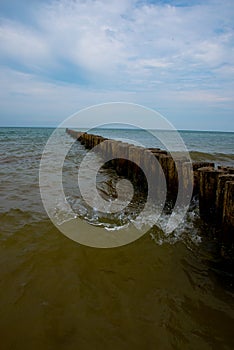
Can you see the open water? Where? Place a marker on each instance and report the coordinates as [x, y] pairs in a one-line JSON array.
[[160, 292]]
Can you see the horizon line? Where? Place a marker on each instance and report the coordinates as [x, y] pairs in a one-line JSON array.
[[56, 127]]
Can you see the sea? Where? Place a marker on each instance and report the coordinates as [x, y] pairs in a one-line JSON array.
[[162, 291]]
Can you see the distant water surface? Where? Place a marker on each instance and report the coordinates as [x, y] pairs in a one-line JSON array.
[[203, 145]]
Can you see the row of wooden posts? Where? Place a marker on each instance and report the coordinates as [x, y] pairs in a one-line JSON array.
[[214, 185]]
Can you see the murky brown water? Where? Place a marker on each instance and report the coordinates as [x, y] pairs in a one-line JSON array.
[[156, 293]]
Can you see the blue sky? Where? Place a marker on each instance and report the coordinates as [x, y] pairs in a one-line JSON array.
[[175, 56]]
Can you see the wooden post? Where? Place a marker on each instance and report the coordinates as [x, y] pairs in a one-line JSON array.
[[215, 186], [123, 163], [220, 196], [134, 172], [196, 174], [207, 192], [228, 169], [228, 211]]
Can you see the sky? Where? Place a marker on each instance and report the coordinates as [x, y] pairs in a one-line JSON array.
[[175, 56]]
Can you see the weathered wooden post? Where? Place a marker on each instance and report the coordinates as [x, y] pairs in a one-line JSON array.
[[88, 140], [228, 211], [134, 172], [168, 165], [220, 196], [215, 186], [228, 169], [109, 153], [186, 180], [103, 148], [114, 152], [207, 192], [154, 174], [123, 163], [196, 174]]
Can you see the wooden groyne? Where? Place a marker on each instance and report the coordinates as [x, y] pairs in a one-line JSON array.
[[214, 185]]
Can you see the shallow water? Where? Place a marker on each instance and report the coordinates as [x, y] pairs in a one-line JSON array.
[[162, 291]]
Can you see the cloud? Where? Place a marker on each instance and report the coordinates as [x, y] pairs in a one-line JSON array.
[[174, 49], [23, 44], [97, 35]]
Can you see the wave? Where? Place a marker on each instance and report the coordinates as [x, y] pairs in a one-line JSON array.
[[221, 158], [15, 219]]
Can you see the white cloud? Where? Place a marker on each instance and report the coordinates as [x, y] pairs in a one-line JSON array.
[[99, 36], [152, 63], [127, 49], [23, 44], [202, 96]]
